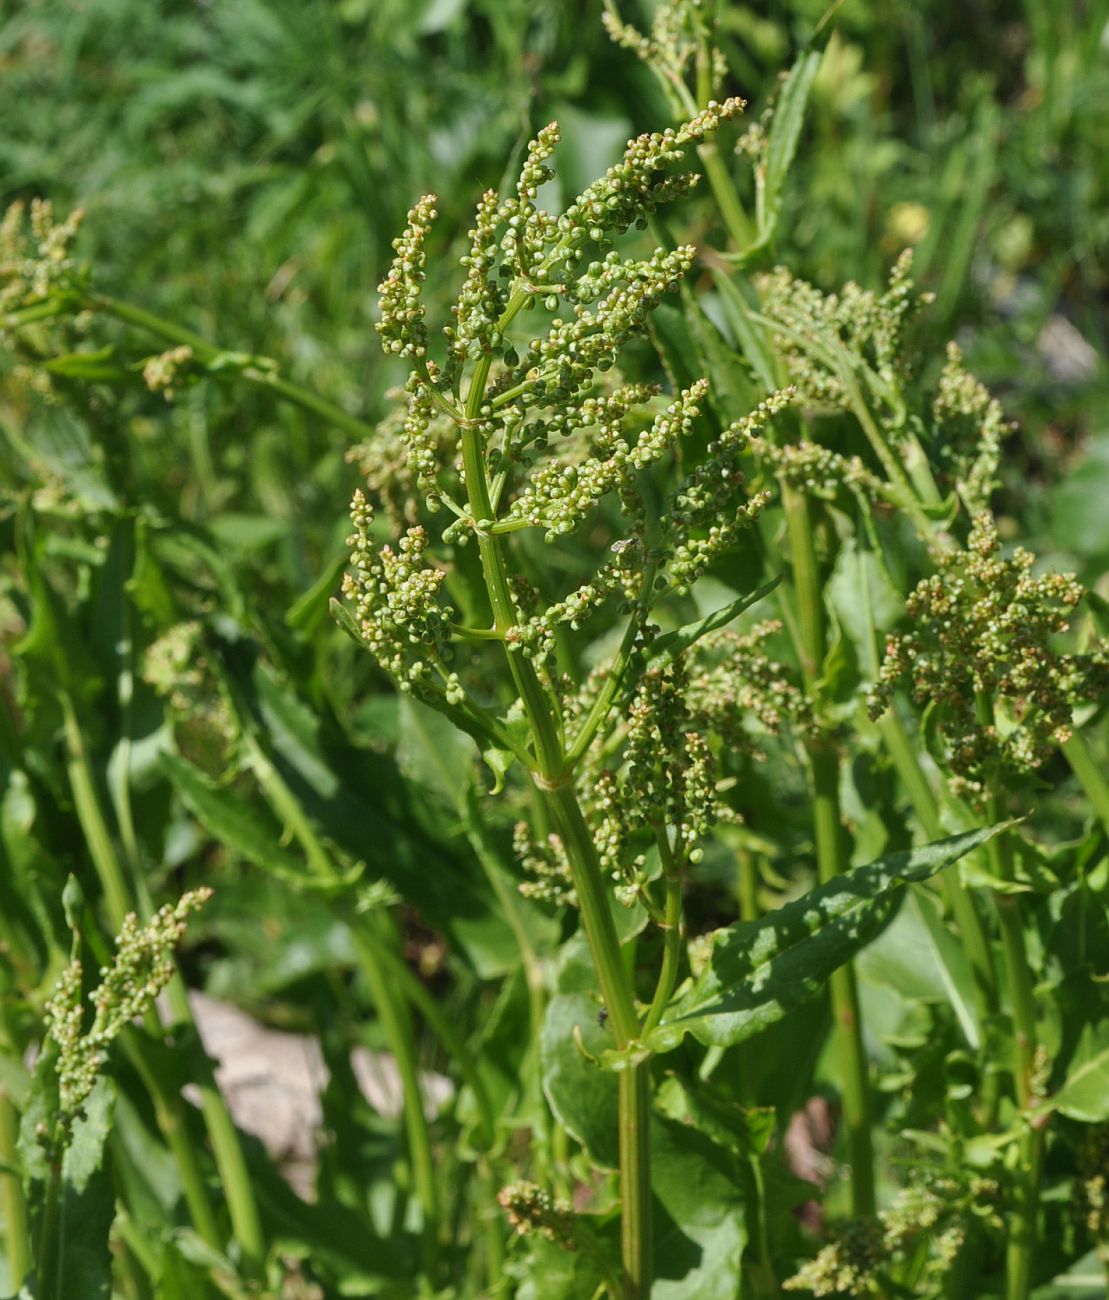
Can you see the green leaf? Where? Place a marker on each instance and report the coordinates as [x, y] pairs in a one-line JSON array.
[[761, 970], [744, 1131], [781, 147], [864, 599], [84, 1268], [307, 612], [1085, 1094], [917, 958], [666, 648], [731, 391], [93, 367], [232, 820], [1084, 1280], [751, 335]]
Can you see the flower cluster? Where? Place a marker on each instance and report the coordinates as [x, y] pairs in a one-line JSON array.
[[396, 601], [515, 430], [547, 868], [817, 471], [665, 780], [162, 374], [32, 264], [677, 31], [390, 461], [1091, 1191], [701, 520], [847, 1266], [534, 634], [561, 494], [981, 651], [531, 1209], [142, 967], [736, 681], [401, 323], [636, 185], [934, 1208], [968, 428], [678, 721], [821, 336]]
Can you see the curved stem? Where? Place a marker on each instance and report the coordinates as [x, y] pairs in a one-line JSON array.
[[1020, 1249], [671, 954], [206, 353]]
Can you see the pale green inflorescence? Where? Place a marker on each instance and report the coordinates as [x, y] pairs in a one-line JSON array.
[[557, 435], [678, 35], [565, 444], [142, 967], [981, 650], [34, 252], [814, 332], [926, 1228], [969, 427]]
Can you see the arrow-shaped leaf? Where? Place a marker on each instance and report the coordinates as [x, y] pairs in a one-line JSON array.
[[761, 970]]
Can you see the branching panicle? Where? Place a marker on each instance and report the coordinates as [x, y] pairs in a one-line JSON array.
[[822, 338], [981, 651], [142, 967], [396, 600]]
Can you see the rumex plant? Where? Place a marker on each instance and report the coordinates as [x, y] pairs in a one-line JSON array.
[[626, 762]]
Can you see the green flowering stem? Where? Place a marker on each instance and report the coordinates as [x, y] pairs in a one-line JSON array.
[[1090, 776], [552, 776], [1021, 1245], [226, 1147], [206, 354], [48, 1245], [13, 1204], [828, 833]]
